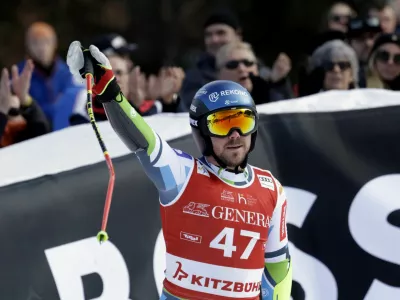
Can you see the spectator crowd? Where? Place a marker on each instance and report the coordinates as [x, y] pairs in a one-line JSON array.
[[354, 50]]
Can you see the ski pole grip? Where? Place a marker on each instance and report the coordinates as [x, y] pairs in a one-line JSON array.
[[88, 63]]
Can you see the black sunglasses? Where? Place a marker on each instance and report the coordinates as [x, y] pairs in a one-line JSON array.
[[343, 65], [233, 64], [385, 56], [340, 18]]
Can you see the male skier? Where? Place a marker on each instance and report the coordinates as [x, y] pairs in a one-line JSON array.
[[224, 221]]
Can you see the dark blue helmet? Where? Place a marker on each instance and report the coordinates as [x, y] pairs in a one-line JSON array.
[[214, 96], [218, 95]]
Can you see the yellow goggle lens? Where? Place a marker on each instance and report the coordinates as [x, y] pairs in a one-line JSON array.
[[221, 122]]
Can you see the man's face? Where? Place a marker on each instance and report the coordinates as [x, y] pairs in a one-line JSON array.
[[217, 35], [387, 17], [42, 49], [362, 45], [238, 66], [232, 149], [339, 17], [120, 67]]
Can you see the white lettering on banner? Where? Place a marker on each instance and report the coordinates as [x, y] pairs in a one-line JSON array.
[[213, 279], [266, 182], [237, 215], [378, 289], [378, 198], [368, 214], [387, 187], [234, 92], [197, 209], [69, 262], [213, 97], [300, 204]]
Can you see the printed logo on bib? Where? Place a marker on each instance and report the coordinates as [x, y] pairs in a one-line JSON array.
[[239, 198], [246, 199], [266, 182], [227, 196], [201, 170], [191, 237], [195, 281], [197, 209], [240, 216], [179, 273], [282, 229]]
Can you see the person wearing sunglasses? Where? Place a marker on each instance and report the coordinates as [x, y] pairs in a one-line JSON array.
[[384, 63], [338, 17], [237, 62], [333, 66], [232, 215]]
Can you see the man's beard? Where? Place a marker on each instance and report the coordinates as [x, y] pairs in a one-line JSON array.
[[234, 161]]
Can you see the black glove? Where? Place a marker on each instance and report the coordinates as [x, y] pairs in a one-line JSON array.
[[105, 86]]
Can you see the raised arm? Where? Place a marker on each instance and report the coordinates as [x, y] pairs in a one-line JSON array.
[[166, 167]]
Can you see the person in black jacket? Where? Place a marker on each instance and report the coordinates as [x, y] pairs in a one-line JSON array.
[[20, 116], [237, 62], [223, 27]]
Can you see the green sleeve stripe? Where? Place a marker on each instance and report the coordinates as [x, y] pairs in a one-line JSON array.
[[138, 121], [283, 289], [278, 270]]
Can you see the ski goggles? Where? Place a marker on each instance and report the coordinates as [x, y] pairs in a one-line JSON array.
[[222, 123]]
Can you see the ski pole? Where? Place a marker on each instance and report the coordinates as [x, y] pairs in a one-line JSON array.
[[102, 235]]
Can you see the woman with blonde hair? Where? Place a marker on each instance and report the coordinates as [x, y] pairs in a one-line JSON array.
[[384, 63]]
